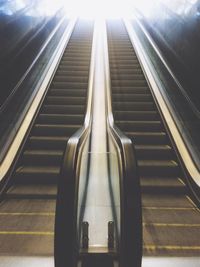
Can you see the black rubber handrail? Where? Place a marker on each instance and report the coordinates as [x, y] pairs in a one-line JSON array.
[[66, 247], [131, 211], [130, 247]]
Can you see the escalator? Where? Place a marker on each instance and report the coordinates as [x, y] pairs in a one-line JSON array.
[[171, 221], [28, 209]]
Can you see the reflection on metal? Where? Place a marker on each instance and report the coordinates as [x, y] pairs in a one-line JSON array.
[[12, 152], [85, 236], [111, 235], [180, 144], [95, 204]]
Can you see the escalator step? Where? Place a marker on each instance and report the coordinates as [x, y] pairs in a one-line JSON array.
[[37, 174], [73, 68], [63, 92], [42, 157], [132, 97], [153, 126], [130, 90], [136, 115], [158, 167], [82, 57], [71, 85], [73, 63], [80, 73], [54, 129], [151, 138], [122, 57], [131, 71], [154, 152], [122, 51], [47, 142], [134, 106], [122, 62], [162, 185], [25, 191], [116, 82], [126, 66], [63, 109], [128, 77], [70, 79], [58, 100], [60, 119]]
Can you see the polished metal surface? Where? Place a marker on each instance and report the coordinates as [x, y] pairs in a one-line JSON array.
[[97, 206]]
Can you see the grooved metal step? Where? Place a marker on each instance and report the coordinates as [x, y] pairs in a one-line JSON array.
[[63, 109], [63, 92], [60, 119], [136, 115], [132, 97], [37, 174], [154, 151], [134, 106], [64, 100], [47, 142], [158, 167], [156, 138], [168, 185], [42, 157]]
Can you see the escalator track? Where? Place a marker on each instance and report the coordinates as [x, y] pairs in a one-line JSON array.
[[28, 209], [171, 221]]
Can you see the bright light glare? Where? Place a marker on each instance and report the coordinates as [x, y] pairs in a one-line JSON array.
[[97, 8]]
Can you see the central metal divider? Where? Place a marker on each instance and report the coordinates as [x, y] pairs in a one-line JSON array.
[[97, 220]]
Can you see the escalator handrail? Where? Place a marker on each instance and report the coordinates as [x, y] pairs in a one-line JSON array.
[[66, 240], [130, 191], [18, 140], [189, 166]]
